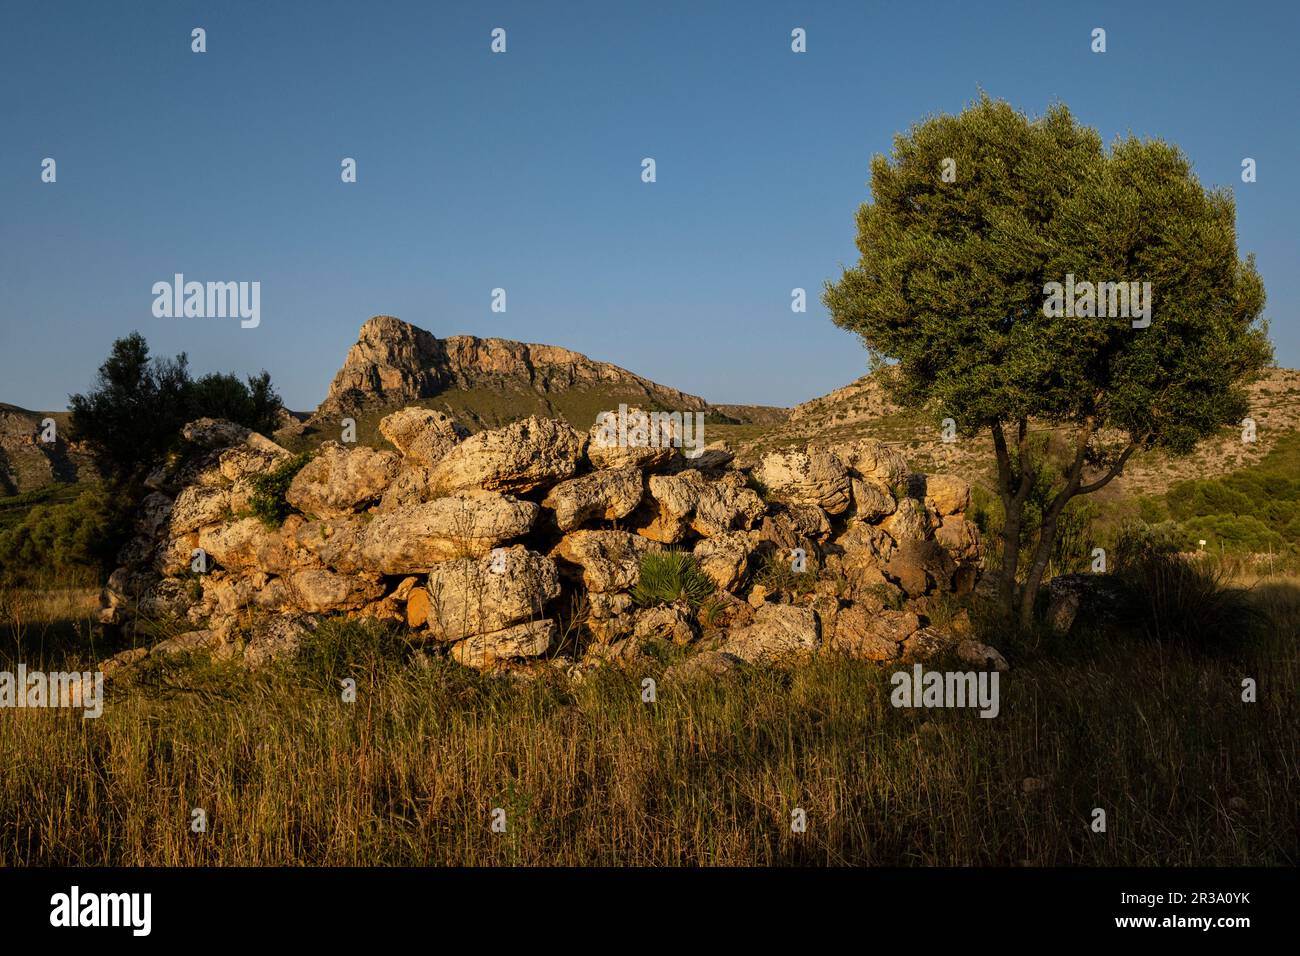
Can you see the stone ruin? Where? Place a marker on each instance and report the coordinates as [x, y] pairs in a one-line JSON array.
[[520, 547]]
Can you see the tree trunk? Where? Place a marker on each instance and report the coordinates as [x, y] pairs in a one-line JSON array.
[[1042, 554]]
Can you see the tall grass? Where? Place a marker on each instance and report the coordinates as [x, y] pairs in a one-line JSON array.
[[587, 773]]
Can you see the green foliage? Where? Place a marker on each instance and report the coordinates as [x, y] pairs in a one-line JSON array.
[[267, 501], [671, 576], [952, 277], [77, 539], [138, 405]]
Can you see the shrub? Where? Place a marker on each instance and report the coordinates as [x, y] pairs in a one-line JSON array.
[[77, 539], [671, 576], [777, 573], [267, 502], [1168, 599]]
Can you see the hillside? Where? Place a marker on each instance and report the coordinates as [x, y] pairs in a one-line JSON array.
[[863, 409], [26, 463]]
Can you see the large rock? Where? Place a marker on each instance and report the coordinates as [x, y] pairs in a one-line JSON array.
[[960, 537], [423, 436], [947, 494], [687, 501], [609, 560], [780, 632], [522, 640], [412, 485], [317, 590], [412, 540], [638, 444], [814, 477], [605, 495], [872, 499], [919, 566], [725, 558], [875, 635], [340, 481], [195, 507], [474, 596], [334, 542], [869, 458], [522, 457]]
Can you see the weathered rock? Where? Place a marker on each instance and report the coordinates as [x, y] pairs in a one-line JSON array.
[[704, 665], [869, 458], [334, 542], [908, 523], [959, 537], [814, 477], [638, 444], [926, 643], [412, 485], [317, 590], [524, 456], [981, 655], [725, 558], [412, 540], [277, 637], [422, 436], [605, 495], [198, 506], [610, 560], [236, 544], [666, 623], [872, 634], [780, 633], [340, 481], [872, 499], [475, 596], [918, 566], [688, 500], [947, 494], [521, 640]]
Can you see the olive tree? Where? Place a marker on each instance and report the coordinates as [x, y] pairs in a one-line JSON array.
[[1015, 271]]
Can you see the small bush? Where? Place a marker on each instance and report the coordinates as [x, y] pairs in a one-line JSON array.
[[267, 502], [1168, 599], [777, 573], [671, 576]]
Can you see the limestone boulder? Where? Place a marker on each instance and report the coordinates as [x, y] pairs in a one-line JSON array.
[[318, 590], [413, 539], [340, 481], [479, 595], [632, 441], [604, 495], [725, 558], [519, 458], [779, 633], [518, 641], [421, 435], [869, 458], [947, 494], [607, 560], [814, 477]]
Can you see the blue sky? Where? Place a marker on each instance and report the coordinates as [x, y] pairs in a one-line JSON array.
[[522, 170]]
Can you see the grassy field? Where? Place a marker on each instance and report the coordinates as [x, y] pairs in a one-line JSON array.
[[411, 772]]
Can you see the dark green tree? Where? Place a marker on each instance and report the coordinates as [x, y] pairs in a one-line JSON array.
[[972, 217], [134, 413]]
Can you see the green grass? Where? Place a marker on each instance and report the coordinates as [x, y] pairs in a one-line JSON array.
[[588, 774]]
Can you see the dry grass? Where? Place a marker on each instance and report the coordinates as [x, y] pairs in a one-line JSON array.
[[588, 774]]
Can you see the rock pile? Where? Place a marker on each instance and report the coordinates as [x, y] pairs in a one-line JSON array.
[[529, 540]]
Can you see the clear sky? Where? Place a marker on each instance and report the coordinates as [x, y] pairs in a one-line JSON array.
[[523, 170]]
